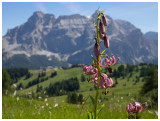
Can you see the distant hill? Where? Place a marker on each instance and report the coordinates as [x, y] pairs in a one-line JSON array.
[[45, 40], [151, 35]]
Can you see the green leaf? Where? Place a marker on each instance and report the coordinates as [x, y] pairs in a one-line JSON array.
[[104, 55], [89, 115], [93, 101], [94, 23], [106, 28], [103, 11], [99, 16], [100, 109], [94, 60], [103, 51]]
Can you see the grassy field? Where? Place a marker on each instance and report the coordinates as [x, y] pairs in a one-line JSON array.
[[115, 102]]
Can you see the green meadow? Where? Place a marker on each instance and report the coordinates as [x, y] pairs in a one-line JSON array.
[[56, 107]]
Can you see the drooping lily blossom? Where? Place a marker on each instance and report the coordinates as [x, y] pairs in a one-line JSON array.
[[101, 27], [90, 70], [137, 108], [104, 19], [104, 82], [108, 82], [106, 41], [130, 108], [111, 61]]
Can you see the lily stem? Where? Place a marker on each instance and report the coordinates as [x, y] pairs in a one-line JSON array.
[[99, 74]]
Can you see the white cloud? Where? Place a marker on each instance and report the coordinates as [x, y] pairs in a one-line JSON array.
[[75, 8], [41, 7]]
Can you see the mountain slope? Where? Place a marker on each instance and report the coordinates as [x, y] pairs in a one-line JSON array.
[[70, 39]]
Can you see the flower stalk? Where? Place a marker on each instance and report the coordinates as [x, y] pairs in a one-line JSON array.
[[100, 79], [99, 73]]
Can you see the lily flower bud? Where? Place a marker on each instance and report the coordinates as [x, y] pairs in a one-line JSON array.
[[105, 22], [96, 49], [110, 70], [101, 27], [101, 35], [106, 41]]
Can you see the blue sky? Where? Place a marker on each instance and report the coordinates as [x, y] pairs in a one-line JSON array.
[[141, 14]]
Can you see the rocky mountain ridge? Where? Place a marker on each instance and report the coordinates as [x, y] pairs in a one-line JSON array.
[[70, 39]]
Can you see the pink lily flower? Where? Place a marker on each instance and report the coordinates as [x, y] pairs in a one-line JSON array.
[[111, 61], [104, 81], [90, 70], [108, 82], [130, 108], [103, 78], [137, 108]]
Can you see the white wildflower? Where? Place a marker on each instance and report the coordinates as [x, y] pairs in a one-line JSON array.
[[156, 113], [150, 112], [50, 113], [56, 105], [14, 94], [39, 97], [46, 104], [120, 108], [99, 100], [77, 106], [29, 93], [6, 92], [17, 98], [42, 106], [45, 100], [15, 85], [121, 98]]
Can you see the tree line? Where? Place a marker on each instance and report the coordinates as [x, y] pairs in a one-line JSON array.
[[41, 78], [61, 88], [16, 73]]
